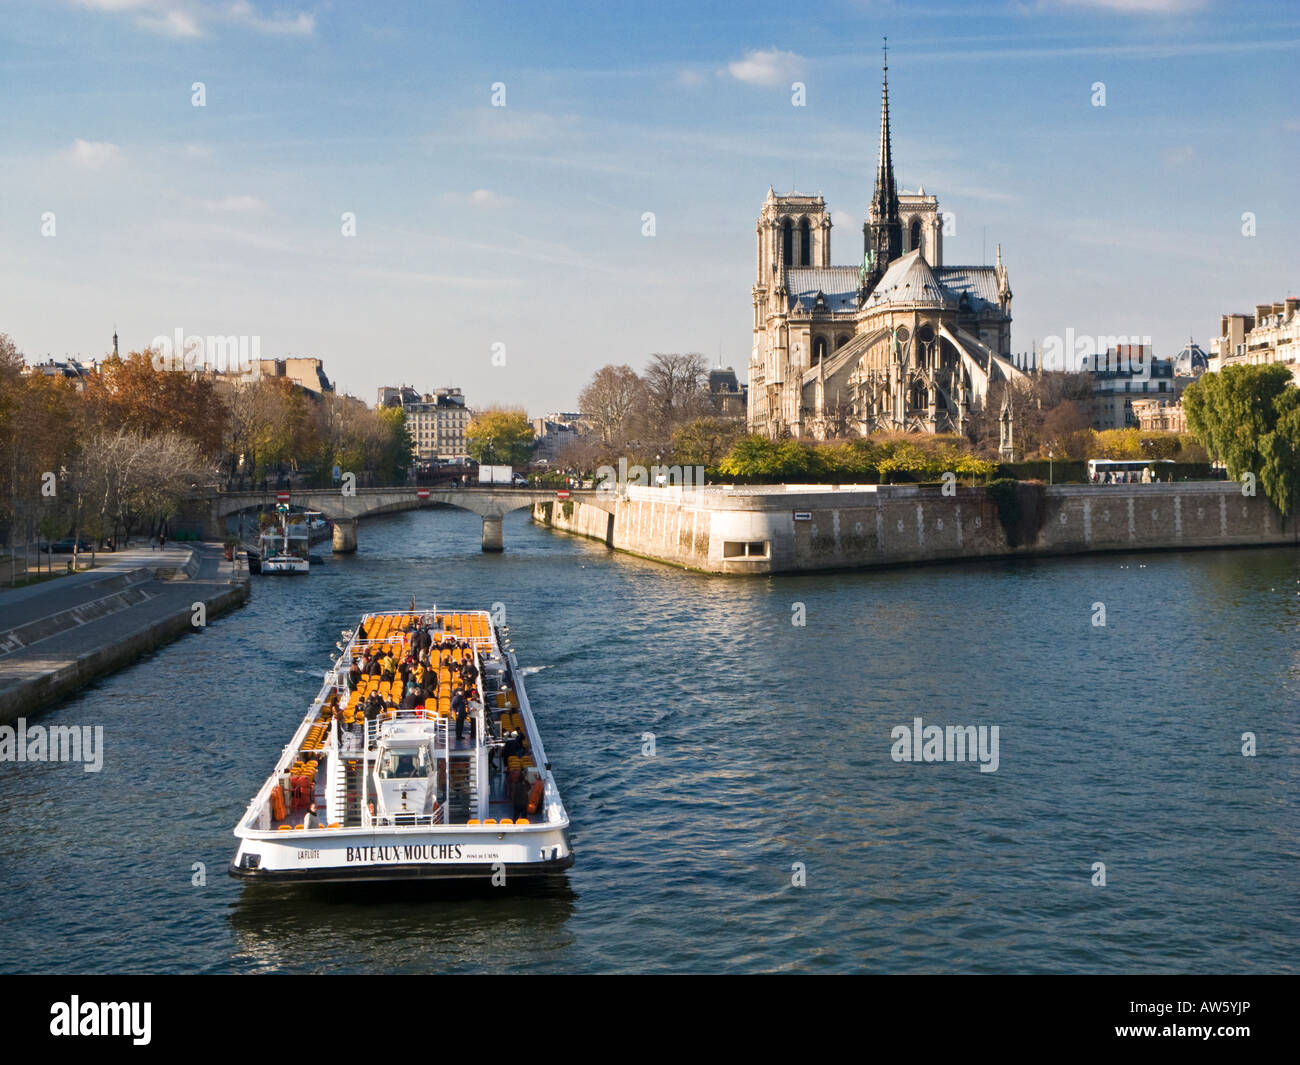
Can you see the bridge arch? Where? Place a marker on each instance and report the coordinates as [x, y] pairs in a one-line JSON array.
[[490, 504]]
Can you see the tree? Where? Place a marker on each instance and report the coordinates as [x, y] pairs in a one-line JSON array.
[[677, 390], [1280, 451], [498, 435], [1065, 431], [704, 441], [1246, 416], [1231, 411], [610, 401], [130, 393]]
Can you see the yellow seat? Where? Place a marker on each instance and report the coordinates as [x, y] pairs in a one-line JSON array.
[[521, 820], [490, 821], [473, 821], [285, 828]]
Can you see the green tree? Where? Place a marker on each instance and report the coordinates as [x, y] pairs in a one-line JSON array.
[[704, 441], [1280, 450], [500, 436], [1231, 411], [1246, 416]]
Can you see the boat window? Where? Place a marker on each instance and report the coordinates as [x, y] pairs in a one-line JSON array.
[[402, 765]]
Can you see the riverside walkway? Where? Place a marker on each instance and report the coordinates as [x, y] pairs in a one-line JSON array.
[[57, 636]]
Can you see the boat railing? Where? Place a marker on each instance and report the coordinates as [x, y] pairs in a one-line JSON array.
[[408, 820]]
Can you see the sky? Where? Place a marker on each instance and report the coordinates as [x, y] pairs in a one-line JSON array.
[[607, 211]]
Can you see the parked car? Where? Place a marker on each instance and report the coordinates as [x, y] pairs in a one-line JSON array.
[[521, 480], [65, 546]]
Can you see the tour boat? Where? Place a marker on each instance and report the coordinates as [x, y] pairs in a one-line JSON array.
[[285, 550], [398, 795]]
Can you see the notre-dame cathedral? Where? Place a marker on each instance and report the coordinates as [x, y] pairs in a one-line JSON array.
[[899, 343]]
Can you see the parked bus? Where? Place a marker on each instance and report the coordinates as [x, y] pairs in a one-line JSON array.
[[1127, 471]]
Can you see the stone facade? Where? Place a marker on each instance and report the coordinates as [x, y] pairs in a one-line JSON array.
[[437, 421], [1271, 334]]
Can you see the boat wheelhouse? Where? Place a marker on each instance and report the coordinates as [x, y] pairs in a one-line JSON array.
[[399, 795]]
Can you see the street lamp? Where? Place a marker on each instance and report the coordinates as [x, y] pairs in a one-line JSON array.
[[1049, 467]]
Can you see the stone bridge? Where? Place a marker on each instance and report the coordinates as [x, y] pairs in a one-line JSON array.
[[490, 503]]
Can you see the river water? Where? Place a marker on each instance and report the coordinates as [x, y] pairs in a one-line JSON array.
[[770, 829]]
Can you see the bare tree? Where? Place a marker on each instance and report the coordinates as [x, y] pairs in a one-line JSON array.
[[677, 390], [611, 400]]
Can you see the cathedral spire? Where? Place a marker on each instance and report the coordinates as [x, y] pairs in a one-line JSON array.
[[885, 199], [883, 233]]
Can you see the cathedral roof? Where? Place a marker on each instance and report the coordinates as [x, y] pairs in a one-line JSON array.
[[980, 282], [909, 279], [837, 284]]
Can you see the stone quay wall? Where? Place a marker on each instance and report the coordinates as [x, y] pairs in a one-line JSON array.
[[797, 528]]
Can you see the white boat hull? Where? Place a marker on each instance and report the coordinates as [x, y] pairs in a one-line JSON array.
[[285, 565], [455, 852]]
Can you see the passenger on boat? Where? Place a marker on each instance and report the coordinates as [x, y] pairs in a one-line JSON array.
[[354, 674], [460, 708], [519, 795], [311, 819], [513, 745]]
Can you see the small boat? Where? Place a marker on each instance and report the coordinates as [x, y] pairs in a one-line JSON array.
[[398, 794], [284, 549]]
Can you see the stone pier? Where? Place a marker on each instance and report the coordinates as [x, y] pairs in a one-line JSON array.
[[492, 535], [345, 535]]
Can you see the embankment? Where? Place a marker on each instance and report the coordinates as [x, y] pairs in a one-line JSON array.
[[795, 528]]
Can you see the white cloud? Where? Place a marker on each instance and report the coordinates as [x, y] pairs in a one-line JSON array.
[[234, 204], [301, 24], [1138, 7], [484, 198], [689, 79], [93, 155], [191, 18], [772, 68], [172, 23]]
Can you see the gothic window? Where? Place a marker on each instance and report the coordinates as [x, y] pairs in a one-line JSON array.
[[805, 244], [840, 341], [916, 235], [787, 243]]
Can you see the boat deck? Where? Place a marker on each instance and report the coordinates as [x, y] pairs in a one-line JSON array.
[[353, 742]]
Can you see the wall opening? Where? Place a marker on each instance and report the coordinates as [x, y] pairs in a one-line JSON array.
[[746, 548]]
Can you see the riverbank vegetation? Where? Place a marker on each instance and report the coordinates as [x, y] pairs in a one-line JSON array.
[[114, 452]]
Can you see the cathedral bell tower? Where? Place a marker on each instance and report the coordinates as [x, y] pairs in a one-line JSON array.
[[883, 232]]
